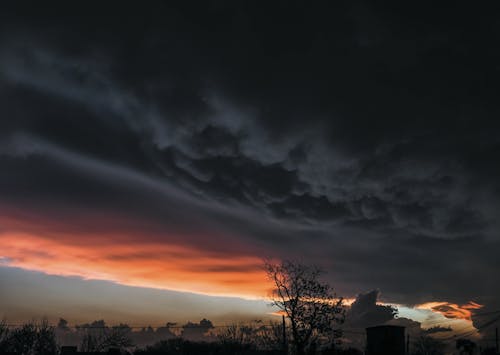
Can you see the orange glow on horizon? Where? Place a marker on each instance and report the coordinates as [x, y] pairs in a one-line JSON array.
[[131, 256], [162, 266], [451, 310], [136, 261]]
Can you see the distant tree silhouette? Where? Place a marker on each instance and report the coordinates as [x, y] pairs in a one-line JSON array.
[[146, 336], [65, 335], [271, 337], [311, 306], [466, 346], [196, 331], [31, 338], [179, 346], [255, 334], [98, 337], [46, 339], [62, 325], [22, 340], [165, 332], [237, 334], [4, 336], [426, 345]]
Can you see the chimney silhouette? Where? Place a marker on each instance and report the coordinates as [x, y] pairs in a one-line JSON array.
[[385, 340]]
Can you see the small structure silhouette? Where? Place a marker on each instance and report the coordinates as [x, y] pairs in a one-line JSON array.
[[385, 340], [68, 350]]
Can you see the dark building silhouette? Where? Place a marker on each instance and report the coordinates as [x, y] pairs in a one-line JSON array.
[[385, 340], [68, 350]]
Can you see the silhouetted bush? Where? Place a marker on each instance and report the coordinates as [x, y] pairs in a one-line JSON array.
[[29, 339]]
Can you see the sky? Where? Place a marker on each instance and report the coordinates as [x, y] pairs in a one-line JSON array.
[[161, 151]]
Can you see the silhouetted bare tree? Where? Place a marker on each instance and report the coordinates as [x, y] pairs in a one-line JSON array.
[[311, 306]]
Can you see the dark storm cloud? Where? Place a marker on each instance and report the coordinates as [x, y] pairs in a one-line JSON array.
[[437, 329], [365, 312], [364, 135]]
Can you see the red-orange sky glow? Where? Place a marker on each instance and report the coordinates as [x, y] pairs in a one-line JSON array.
[[452, 310], [134, 252], [129, 257]]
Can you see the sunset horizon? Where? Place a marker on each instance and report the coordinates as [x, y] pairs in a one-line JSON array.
[[195, 162]]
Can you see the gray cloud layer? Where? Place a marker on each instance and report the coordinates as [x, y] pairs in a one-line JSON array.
[[340, 136]]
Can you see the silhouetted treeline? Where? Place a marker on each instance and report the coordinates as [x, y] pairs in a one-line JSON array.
[[185, 347], [181, 346], [191, 338], [97, 335], [30, 338], [40, 338]]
